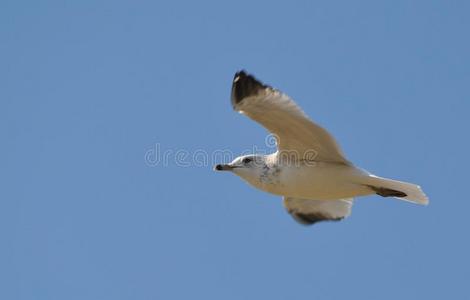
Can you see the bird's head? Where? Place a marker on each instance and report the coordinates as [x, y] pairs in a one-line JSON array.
[[248, 167]]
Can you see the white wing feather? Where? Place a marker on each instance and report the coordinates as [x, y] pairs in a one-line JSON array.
[[308, 211], [279, 114]]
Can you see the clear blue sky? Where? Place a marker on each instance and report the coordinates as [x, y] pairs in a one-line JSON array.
[[88, 87]]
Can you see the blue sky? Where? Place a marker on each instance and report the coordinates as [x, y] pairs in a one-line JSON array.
[[89, 87]]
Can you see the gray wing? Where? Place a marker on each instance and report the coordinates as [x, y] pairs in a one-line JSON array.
[[309, 212], [279, 114]]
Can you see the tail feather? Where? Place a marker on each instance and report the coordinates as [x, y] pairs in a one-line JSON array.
[[398, 189]]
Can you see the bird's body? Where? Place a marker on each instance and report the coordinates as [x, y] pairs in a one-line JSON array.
[[309, 169], [322, 180], [310, 180]]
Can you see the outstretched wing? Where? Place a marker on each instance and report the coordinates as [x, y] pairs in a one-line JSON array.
[[279, 114], [308, 212]]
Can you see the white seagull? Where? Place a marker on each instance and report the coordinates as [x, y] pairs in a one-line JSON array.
[[309, 169]]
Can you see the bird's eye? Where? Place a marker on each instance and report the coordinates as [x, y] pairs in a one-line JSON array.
[[247, 160]]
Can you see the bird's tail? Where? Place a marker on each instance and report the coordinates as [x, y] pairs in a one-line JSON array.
[[398, 189]]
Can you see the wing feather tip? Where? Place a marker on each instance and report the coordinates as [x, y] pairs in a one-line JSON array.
[[245, 85], [311, 219]]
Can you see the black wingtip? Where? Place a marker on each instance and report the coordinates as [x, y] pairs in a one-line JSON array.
[[245, 85], [385, 192], [310, 219]]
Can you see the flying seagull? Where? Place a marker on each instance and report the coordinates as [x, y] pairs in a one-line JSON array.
[[308, 169]]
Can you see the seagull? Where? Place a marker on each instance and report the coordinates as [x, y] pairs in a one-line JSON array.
[[309, 170]]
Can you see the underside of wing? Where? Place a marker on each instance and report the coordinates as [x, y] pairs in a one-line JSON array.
[[279, 114], [309, 212]]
